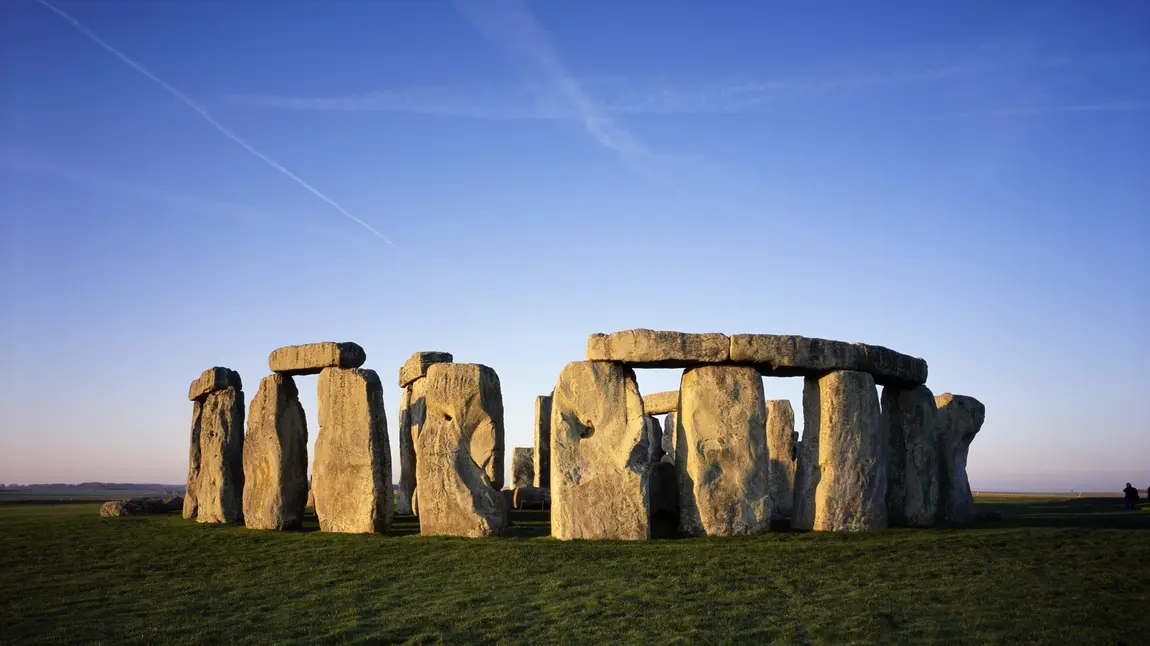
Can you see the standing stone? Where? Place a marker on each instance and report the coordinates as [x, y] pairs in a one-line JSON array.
[[543, 441], [275, 457], [220, 485], [959, 420], [841, 482], [654, 432], [411, 415], [461, 435], [600, 465], [722, 460], [782, 447], [191, 507], [351, 475], [522, 467], [910, 421], [670, 424], [209, 381]]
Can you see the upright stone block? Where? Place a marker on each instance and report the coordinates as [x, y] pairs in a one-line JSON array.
[[600, 464], [543, 441], [841, 483], [412, 412], [722, 459], [654, 431], [782, 445], [220, 485], [457, 446], [959, 420], [522, 467], [910, 422], [275, 457], [351, 474], [670, 424]]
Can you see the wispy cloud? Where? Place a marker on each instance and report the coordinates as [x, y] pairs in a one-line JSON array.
[[1081, 108], [83, 29]]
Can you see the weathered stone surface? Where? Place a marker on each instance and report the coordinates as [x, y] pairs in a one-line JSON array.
[[670, 423], [416, 366], [660, 403], [782, 446], [600, 464], [214, 379], [220, 483], [654, 431], [643, 348], [412, 411], [543, 441], [311, 358], [522, 467], [461, 439], [782, 355], [275, 457], [531, 498], [310, 498], [722, 460], [191, 506], [351, 473], [910, 422], [849, 481], [959, 420]]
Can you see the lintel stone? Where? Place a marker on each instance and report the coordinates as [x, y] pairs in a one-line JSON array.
[[312, 358]]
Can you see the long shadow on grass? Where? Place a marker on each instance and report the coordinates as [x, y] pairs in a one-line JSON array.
[[1100, 513]]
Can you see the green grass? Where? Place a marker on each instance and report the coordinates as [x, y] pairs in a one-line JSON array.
[[1057, 572]]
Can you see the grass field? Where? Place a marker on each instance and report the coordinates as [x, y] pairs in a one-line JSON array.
[[1071, 571]]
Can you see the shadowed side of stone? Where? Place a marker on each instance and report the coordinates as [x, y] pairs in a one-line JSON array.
[[351, 477], [642, 348], [600, 465], [543, 441], [959, 420], [275, 457], [191, 506], [312, 358], [910, 422], [783, 449], [522, 467], [220, 482]]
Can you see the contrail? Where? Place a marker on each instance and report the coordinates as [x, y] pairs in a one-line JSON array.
[[83, 29]]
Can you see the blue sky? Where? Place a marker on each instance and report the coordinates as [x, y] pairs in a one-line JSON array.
[[966, 182]]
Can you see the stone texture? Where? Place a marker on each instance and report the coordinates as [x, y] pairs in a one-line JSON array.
[[459, 447], [220, 483], [351, 473], [959, 420], [543, 441], [722, 459], [214, 379], [412, 411], [643, 348], [191, 507], [782, 446], [841, 476], [600, 468], [275, 457], [311, 358], [910, 423], [531, 498], [661, 403], [522, 467], [654, 432], [310, 498], [781, 355], [416, 366], [670, 423]]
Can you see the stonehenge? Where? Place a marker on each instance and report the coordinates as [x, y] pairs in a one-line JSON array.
[[275, 457], [723, 461], [959, 420], [522, 467], [411, 415], [721, 452], [351, 474], [600, 467], [215, 471], [459, 451]]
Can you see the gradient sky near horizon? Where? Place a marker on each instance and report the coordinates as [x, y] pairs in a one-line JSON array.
[[189, 184]]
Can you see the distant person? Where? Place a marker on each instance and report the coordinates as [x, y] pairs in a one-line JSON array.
[[1131, 497]]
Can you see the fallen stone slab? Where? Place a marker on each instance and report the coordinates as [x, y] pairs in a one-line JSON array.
[[779, 355], [959, 420], [219, 486], [782, 446], [522, 466], [351, 473], [543, 441], [642, 348], [214, 379], [311, 358], [600, 469], [910, 420], [275, 457], [531, 498], [661, 403], [416, 366], [141, 506], [722, 460]]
